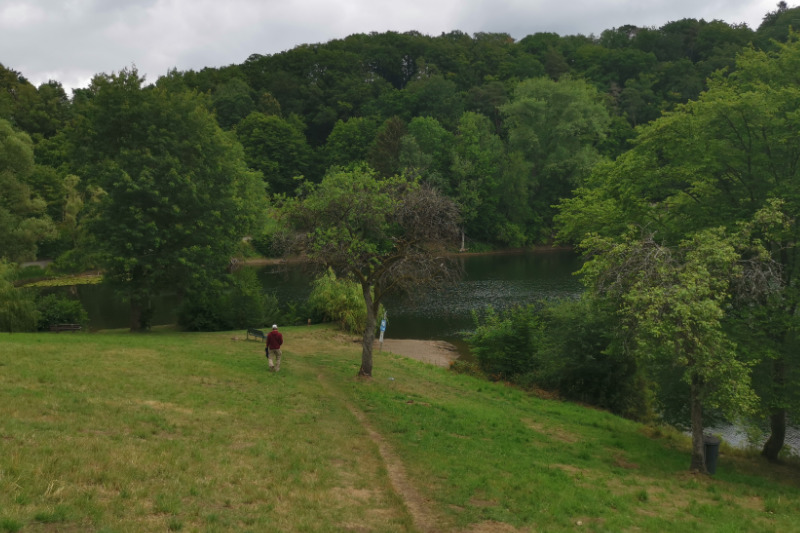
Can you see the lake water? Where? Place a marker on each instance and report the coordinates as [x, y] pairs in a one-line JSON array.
[[499, 280]]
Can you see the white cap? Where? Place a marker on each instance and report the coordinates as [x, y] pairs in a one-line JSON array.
[[274, 326]]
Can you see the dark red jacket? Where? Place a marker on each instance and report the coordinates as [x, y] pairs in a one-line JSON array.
[[274, 340]]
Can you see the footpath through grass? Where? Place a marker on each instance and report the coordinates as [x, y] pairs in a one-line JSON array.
[[172, 431]]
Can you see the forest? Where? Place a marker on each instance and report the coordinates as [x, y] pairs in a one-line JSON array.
[[670, 156]]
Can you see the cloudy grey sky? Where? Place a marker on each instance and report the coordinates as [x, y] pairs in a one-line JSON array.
[[71, 40]]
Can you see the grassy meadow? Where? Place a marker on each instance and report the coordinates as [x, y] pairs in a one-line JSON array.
[[171, 431]]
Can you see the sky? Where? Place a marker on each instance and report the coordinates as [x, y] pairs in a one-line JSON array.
[[72, 40]]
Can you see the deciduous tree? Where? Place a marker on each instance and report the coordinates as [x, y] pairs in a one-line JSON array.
[[389, 235], [555, 128], [178, 196], [672, 302], [23, 217]]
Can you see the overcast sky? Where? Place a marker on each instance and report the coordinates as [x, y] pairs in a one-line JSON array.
[[71, 40]]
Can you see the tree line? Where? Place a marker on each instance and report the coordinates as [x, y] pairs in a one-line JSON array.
[[669, 155], [506, 128]]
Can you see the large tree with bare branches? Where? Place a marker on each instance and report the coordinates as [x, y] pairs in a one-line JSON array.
[[390, 235]]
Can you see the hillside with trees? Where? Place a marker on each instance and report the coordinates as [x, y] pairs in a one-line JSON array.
[[505, 128]]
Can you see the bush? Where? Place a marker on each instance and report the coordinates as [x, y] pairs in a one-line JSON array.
[[506, 344], [340, 301], [585, 361], [17, 306], [31, 272], [76, 260], [57, 309], [271, 243], [467, 367], [570, 347], [240, 305]]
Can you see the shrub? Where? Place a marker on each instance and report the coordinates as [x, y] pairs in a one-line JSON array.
[[17, 306], [240, 305], [469, 368], [31, 272], [568, 346], [338, 300], [585, 361], [271, 243], [58, 309], [506, 344]]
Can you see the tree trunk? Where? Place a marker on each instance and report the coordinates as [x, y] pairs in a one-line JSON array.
[[369, 334], [141, 313], [777, 419], [135, 321], [777, 436], [698, 445]]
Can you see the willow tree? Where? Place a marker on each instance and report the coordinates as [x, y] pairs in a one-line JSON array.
[[390, 235]]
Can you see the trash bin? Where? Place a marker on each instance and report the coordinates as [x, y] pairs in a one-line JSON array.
[[711, 448]]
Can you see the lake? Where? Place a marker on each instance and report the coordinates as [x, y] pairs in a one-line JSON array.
[[499, 280]]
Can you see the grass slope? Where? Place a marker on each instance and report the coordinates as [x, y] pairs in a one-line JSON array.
[[189, 432]]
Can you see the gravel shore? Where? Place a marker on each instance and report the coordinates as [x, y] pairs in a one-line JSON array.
[[439, 353]]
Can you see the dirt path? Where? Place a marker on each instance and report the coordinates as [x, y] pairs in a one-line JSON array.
[[422, 515]]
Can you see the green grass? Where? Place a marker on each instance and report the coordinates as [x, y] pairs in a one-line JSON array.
[[173, 431]]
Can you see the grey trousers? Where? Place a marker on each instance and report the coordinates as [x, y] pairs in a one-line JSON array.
[[276, 354]]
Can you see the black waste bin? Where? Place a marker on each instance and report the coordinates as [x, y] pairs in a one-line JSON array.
[[711, 445]]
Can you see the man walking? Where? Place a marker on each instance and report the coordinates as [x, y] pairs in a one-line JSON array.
[[274, 342]]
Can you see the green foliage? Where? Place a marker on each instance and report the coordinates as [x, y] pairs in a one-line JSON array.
[[350, 141], [58, 309], [340, 301], [387, 235], [478, 157], [327, 100], [17, 306], [232, 102], [238, 306], [23, 217], [584, 359], [275, 147], [570, 347], [506, 344], [178, 196], [727, 160], [264, 244], [555, 129]]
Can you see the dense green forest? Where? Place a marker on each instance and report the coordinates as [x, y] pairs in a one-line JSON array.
[[506, 128], [669, 155]]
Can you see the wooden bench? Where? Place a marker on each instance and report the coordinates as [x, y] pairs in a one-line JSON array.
[[65, 327], [257, 333]]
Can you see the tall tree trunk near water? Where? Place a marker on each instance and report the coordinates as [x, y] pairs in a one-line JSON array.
[[141, 313], [777, 436], [777, 418], [369, 333], [134, 320], [698, 463]]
